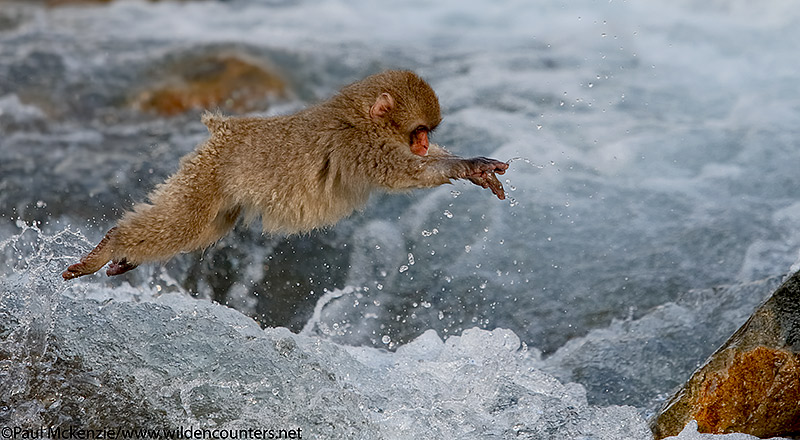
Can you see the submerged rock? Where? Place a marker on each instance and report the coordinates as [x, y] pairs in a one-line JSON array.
[[74, 2], [752, 383], [230, 81], [79, 2]]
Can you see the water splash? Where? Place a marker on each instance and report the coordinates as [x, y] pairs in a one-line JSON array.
[[30, 275]]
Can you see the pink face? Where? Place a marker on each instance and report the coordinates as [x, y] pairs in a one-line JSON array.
[[419, 141]]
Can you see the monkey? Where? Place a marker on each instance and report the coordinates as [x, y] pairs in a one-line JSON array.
[[299, 172]]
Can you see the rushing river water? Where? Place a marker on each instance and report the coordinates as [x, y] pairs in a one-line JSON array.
[[654, 202]]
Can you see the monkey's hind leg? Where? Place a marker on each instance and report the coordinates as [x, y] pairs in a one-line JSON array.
[[173, 225], [93, 261]]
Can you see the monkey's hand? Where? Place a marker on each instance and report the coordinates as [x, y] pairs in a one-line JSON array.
[[482, 172]]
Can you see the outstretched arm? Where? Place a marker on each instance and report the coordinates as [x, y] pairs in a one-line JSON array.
[[399, 170]]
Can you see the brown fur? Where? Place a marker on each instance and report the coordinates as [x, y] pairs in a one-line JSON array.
[[298, 172]]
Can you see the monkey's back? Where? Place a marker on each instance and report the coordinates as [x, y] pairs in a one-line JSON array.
[[291, 170]]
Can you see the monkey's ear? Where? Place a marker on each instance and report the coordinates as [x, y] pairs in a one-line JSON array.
[[383, 105]]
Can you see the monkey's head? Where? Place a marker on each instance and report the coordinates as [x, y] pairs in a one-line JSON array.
[[401, 105]]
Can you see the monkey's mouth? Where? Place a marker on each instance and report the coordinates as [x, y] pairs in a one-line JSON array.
[[419, 150]]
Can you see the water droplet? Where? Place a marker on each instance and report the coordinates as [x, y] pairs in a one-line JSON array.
[[410, 259], [386, 339], [455, 193], [448, 214], [467, 248], [426, 233], [403, 268], [591, 85], [441, 315]]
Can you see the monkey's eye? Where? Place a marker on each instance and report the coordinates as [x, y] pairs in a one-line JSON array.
[[420, 129]]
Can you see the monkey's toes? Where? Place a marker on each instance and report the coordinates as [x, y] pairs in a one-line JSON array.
[[74, 271], [119, 267]]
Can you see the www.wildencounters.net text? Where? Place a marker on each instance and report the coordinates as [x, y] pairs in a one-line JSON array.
[[190, 433]]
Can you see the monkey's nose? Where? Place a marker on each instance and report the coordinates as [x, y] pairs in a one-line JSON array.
[[420, 144]]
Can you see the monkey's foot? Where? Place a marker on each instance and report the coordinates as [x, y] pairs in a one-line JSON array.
[[76, 270], [93, 261], [119, 267]]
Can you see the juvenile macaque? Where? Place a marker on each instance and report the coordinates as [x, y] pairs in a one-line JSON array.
[[299, 172]]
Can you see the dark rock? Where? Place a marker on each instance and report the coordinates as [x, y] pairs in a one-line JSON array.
[[751, 384]]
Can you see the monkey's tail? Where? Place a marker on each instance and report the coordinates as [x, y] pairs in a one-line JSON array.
[[215, 121]]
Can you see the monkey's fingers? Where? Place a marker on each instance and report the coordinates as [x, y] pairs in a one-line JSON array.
[[496, 186], [489, 180], [480, 181], [487, 165], [500, 167]]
